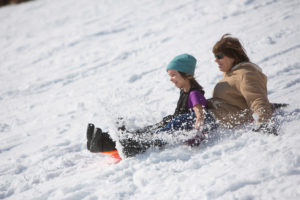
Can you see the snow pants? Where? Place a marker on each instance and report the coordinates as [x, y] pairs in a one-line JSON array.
[[142, 139]]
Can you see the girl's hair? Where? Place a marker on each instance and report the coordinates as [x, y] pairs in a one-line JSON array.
[[194, 83], [232, 48]]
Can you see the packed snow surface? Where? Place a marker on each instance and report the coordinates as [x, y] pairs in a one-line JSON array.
[[67, 63]]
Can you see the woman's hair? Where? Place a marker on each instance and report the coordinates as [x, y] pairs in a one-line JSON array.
[[194, 83], [232, 48]]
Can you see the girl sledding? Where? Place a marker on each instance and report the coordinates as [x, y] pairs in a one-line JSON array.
[[189, 114]]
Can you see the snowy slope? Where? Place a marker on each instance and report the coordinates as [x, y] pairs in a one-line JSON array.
[[67, 63]]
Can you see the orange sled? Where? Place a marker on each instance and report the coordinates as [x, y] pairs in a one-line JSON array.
[[114, 154]]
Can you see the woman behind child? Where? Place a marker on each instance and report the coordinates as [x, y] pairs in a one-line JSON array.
[[241, 96]]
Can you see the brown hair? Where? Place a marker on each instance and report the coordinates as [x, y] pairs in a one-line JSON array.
[[193, 82], [232, 48]]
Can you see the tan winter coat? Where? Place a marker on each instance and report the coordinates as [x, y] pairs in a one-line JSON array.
[[241, 92]]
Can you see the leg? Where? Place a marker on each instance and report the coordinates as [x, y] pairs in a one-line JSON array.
[[180, 122], [139, 143]]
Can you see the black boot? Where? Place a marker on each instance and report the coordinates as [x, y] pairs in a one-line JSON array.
[[89, 134], [107, 143], [101, 142], [94, 144]]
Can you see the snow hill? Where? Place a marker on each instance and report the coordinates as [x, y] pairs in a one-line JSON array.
[[67, 63]]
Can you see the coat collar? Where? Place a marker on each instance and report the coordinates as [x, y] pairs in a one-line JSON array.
[[242, 64]]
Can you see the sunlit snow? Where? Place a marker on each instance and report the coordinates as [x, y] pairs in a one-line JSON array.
[[67, 63]]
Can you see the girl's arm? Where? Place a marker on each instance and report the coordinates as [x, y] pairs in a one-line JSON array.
[[199, 116]]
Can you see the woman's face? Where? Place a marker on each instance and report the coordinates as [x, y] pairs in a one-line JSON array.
[[225, 63], [176, 78]]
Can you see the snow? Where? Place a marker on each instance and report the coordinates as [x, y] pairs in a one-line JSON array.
[[67, 63]]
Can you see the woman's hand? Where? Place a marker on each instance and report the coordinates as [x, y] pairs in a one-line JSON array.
[[199, 116]]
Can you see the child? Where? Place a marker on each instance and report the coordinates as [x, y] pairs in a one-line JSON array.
[[189, 114]]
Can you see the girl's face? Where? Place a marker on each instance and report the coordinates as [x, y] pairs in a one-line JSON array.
[[177, 79], [225, 63]]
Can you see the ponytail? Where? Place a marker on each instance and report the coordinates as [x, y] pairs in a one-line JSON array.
[[193, 82]]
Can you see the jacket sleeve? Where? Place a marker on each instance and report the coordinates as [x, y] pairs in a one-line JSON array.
[[253, 87]]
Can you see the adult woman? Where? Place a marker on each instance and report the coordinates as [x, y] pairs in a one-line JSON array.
[[241, 95]]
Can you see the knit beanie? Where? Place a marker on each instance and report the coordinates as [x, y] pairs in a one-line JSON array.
[[183, 63]]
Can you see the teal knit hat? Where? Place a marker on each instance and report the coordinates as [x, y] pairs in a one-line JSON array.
[[184, 63]]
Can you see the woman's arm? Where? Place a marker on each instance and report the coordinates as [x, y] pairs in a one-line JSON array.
[[253, 87], [199, 116]]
